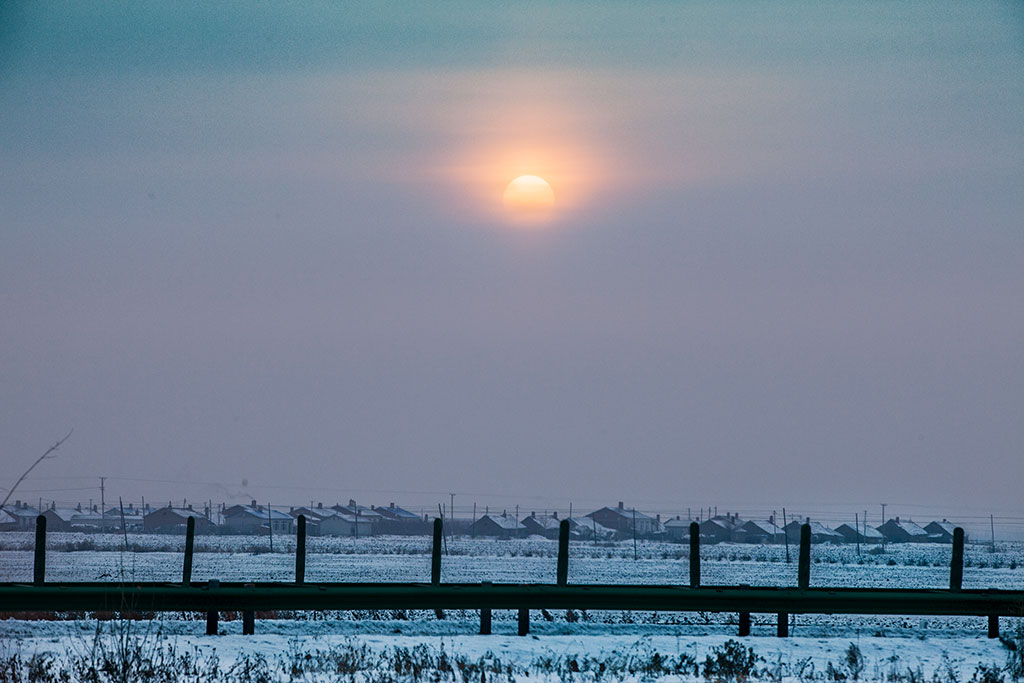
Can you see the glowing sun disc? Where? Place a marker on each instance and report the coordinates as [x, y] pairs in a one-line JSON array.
[[528, 193]]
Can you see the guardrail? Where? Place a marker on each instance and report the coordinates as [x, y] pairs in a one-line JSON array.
[[214, 596]]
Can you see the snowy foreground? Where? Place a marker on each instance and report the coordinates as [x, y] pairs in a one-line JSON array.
[[414, 645]]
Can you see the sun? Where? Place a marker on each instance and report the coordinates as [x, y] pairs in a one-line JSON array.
[[529, 194]]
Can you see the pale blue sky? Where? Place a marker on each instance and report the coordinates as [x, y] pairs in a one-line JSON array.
[[264, 242]]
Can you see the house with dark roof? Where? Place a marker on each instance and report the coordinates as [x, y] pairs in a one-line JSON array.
[[757, 531], [500, 526], [940, 532], [8, 522], [866, 534], [174, 519], [545, 525], [716, 530], [397, 520], [256, 519], [819, 532], [905, 531], [623, 520]]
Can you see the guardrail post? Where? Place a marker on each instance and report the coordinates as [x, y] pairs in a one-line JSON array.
[[804, 566], [300, 550], [956, 563], [248, 620], [39, 565], [563, 553], [694, 555], [211, 617], [485, 617], [993, 626], [744, 623], [524, 622], [435, 560], [190, 534]]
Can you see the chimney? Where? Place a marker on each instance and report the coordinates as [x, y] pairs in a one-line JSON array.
[[555, 514], [351, 503], [657, 517], [320, 505], [253, 504], [620, 504], [533, 514], [771, 520], [17, 505], [677, 516], [78, 507], [391, 505], [897, 519], [190, 506]]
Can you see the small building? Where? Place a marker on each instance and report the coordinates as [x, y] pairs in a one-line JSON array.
[[626, 521], [940, 532], [866, 534], [677, 529], [819, 532], [133, 518], [721, 528], [256, 519], [905, 531], [756, 531], [23, 514], [500, 526], [587, 529], [396, 520], [362, 512], [173, 520], [344, 524], [545, 525], [8, 522]]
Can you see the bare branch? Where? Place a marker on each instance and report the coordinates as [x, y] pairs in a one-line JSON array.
[[50, 453]]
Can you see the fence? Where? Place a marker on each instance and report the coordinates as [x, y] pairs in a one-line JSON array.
[[214, 596]]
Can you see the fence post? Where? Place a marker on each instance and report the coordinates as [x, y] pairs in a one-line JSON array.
[[248, 620], [744, 623], [211, 617], [39, 565], [563, 553], [300, 550], [485, 617], [804, 566], [993, 626], [694, 555], [190, 534], [435, 560], [956, 563], [524, 622], [782, 630]]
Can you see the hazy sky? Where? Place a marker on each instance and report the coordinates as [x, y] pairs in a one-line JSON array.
[[266, 242]]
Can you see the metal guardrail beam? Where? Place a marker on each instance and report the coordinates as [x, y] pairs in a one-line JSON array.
[[228, 596]]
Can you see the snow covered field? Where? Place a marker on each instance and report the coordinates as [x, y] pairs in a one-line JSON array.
[[667, 644]]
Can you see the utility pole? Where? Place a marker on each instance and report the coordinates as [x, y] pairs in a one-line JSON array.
[[451, 511], [883, 524], [785, 533], [103, 504], [992, 526], [883, 512], [634, 534], [856, 530]]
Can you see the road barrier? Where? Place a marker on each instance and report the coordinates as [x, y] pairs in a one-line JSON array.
[[215, 596]]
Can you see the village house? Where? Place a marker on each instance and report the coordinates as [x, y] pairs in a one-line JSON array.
[[500, 526], [866, 534], [819, 532], [344, 524], [174, 519], [361, 512], [623, 520], [720, 529], [677, 529], [905, 531], [8, 522], [546, 526], [256, 519], [396, 520], [940, 532], [756, 531], [133, 518], [23, 514]]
